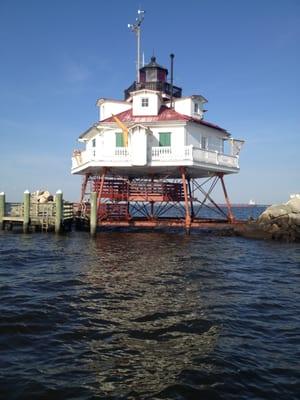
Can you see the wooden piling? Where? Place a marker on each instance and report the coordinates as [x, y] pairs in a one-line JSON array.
[[2, 209], [26, 212], [58, 211], [93, 215], [186, 201]]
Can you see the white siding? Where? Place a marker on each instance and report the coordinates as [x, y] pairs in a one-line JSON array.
[[183, 106], [153, 107], [177, 137], [214, 137], [107, 108], [138, 146], [186, 106]]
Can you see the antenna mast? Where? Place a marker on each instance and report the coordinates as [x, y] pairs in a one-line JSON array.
[[136, 28]]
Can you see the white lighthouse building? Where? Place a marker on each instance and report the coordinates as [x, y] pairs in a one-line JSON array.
[[154, 146], [144, 134]]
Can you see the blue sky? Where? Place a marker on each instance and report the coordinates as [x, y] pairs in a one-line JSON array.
[[59, 57]]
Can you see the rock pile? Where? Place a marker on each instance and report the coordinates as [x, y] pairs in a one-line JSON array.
[[282, 222], [41, 196]]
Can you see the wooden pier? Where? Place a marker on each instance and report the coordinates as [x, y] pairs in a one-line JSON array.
[[54, 216]]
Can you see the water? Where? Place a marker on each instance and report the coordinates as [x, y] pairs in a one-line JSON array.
[[148, 315]]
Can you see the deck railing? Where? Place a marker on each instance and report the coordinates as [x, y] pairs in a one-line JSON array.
[[162, 153]]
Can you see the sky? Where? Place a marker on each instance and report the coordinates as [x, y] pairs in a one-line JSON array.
[[58, 57]]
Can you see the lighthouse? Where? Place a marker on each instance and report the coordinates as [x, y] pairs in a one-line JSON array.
[[151, 157]]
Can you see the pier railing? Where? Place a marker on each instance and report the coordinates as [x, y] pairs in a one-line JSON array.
[[38, 210], [56, 215]]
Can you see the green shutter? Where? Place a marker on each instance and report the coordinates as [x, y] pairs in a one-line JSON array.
[[164, 139], [119, 139]]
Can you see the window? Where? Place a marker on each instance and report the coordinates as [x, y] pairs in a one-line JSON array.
[[204, 142], [119, 139], [145, 102], [94, 143], [196, 108], [164, 139]]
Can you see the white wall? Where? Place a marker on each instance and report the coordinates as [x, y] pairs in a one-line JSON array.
[[183, 106], [177, 136], [138, 146], [109, 107], [195, 132], [186, 106], [153, 101], [181, 136]]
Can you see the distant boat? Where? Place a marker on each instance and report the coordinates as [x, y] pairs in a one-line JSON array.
[[252, 202]]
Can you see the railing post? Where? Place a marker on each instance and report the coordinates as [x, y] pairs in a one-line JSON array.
[[58, 211], [93, 215], [2, 209], [26, 206]]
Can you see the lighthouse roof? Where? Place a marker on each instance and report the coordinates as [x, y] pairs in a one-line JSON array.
[[165, 114], [153, 64]]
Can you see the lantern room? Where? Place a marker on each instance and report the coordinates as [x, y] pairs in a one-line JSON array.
[[153, 72], [153, 76]]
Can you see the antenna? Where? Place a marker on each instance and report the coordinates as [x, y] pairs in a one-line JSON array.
[[136, 28]]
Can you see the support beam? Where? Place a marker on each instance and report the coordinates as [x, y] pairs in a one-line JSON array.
[[99, 195], [186, 201], [2, 209], [83, 187], [58, 211], [93, 215], [231, 218], [26, 211], [152, 202], [191, 198]]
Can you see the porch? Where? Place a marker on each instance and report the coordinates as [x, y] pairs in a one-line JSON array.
[[157, 157]]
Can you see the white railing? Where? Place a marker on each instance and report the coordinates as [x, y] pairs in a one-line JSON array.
[[229, 161], [214, 157], [167, 153], [121, 153], [163, 154], [118, 154], [207, 156], [80, 157]]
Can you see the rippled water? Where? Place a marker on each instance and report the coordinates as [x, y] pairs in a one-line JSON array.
[[147, 315]]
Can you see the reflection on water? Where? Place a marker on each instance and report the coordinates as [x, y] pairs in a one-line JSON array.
[[148, 316], [152, 322]]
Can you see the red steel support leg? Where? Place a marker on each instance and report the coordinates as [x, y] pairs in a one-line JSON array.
[[186, 201], [191, 198], [230, 214], [82, 207], [83, 187], [152, 202]]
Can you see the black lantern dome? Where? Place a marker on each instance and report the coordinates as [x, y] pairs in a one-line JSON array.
[[154, 77], [153, 72]]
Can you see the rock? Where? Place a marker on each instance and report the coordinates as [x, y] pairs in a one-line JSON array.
[[274, 229], [41, 196], [277, 210], [279, 222], [294, 205], [295, 220], [283, 221]]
